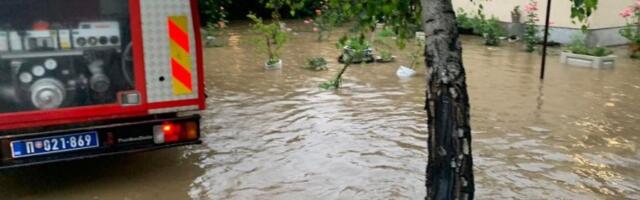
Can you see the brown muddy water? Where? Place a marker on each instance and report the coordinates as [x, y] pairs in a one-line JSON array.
[[276, 135]]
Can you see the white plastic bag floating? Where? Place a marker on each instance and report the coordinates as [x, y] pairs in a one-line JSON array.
[[405, 72]]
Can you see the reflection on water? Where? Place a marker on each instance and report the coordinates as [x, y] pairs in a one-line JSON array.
[[276, 135]]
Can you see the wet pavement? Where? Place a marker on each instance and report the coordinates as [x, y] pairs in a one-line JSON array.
[[276, 135]]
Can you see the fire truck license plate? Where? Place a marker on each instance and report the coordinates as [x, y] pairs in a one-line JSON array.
[[56, 144]]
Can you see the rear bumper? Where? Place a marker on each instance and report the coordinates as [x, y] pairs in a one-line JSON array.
[[114, 139]]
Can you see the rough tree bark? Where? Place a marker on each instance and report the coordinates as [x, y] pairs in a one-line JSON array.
[[450, 165]]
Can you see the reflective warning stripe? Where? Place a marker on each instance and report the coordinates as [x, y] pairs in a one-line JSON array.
[[179, 47]]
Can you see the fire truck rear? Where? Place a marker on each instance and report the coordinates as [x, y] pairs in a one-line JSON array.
[[88, 78]]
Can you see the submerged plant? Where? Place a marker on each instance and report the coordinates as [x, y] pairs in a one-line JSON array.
[[383, 45], [385, 33], [491, 30], [579, 46], [416, 55], [351, 46], [386, 56], [317, 64], [358, 47], [270, 38]]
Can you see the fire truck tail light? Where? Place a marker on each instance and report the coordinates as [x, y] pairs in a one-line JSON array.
[[175, 132], [191, 130]]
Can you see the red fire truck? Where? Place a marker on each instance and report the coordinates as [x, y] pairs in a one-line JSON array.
[[88, 78]]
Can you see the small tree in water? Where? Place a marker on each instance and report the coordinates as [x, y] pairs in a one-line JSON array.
[[355, 49], [270, 38]]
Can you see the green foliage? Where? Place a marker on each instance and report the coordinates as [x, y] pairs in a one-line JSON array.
[[337, 17], [582, 10], [309, 7], [356, 48], [531, 37], [631, 32], [213, 12], [579, 46], [403, 17], [386, 56], [325, 21], [333, 84], [632, 29], [416, 55], [269, 37], [465, 20], [385, 33], [491, 30], [276, 5], [383, 44], [316, 64]]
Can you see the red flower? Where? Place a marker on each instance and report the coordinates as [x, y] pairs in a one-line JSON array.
[[627, 12], [531, 7]]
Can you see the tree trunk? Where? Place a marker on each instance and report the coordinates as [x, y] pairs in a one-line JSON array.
[[450, 165], [269, 49]]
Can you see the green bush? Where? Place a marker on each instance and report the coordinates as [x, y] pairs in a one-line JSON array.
[[490, 29], [631, 33], [579, 46], [213, 11], [316, 64], [465, 20], [386, 32], [356, 48]]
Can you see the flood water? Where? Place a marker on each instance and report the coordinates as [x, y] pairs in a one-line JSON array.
[[276, 135]]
